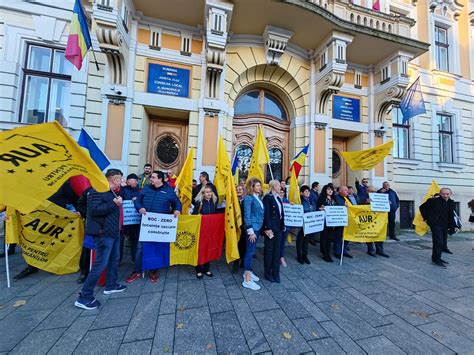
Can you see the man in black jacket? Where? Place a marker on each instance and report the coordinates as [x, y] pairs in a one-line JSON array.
[[438, 212], [103, 222]]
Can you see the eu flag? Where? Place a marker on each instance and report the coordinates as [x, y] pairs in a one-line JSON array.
[[96, 154], [412, 103]]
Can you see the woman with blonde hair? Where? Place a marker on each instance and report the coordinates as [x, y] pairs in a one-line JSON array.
[[205, 203], [253, 221], [273, 228]]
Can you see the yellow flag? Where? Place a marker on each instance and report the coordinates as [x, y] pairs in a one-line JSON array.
[[50, 236], [420, 225], [222, 170], [260, 157], [369, 158], [36, 160], [233, 221], [294, 193], [184, 183], [365, 225], [185, 250]]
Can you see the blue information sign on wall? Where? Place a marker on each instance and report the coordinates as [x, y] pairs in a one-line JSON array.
[[168, 80], [346, 108]]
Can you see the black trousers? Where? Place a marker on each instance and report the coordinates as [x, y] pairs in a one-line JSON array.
[[203, 268], [271, 255], [327, 236], [242, 247], [391, 224], [375, 247], [439, 235], [84, 261], [133, 233], [301, 244]]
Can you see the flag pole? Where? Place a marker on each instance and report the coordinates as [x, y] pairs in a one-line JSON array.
[[342, 252], [270, 167], [7, 265], [95, 58]]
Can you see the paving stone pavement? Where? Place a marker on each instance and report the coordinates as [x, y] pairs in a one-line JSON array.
[[400, 305]]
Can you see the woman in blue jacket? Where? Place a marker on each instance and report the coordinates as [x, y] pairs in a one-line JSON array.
[[301, 240], [205, 203], [253, 221]]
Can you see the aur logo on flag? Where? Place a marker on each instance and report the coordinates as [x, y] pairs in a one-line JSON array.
[[365, 225], [185, 240]]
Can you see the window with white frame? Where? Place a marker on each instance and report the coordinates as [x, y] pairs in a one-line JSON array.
[[46, 85], [441, 48], [186, 45], [217, 22], [446, 133], [323, 60], [340, 52], [125, 14], [404, 68], [358, 80], [155, 38], [385, 74], [401, 135]]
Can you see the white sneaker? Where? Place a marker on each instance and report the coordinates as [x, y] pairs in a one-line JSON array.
[[251, 285], [253, 277], [283, 262]]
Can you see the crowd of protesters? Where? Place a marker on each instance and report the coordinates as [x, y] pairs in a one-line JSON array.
[[263, 218]]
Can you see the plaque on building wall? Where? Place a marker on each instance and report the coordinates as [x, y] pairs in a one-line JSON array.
[[168, 80], [346, 108]]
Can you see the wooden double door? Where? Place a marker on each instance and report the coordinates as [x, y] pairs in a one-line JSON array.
[[167, 144], [276, 133]]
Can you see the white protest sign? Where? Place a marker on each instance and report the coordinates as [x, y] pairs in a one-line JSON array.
[[336, 216], [158, 227], [379, 202], [293, 215], [130, 214], [313, 222]]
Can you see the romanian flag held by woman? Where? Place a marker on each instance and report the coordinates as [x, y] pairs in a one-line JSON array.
[[79, 40]]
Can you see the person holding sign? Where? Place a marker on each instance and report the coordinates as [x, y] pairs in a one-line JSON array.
[[273, 228], [326, 198], [157, 197], [309, 205], [374, 248], [132, 231], [205, 203], [394, 204], [253, 220]]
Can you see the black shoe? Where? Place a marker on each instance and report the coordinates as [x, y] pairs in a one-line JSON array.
[[439, 263], [347, 255], [328, 259], [270, 278], [371, 253], [443, 261], [306, 260], [199, 275], [383, 254], [447, 251], [209, 274], [300, 260], [337, 256], [277, 279], [81, 279], [235, 267], [395, 238], [28, 271]]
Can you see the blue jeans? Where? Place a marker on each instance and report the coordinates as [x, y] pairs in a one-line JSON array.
[[251, 247], [107, 255]]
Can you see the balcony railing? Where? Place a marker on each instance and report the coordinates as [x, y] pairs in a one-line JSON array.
[[346, 10]]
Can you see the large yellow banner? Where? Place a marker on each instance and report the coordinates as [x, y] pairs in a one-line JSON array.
[[36, 160], [369, 158], [185, 249], [365, 225], [50, 236]]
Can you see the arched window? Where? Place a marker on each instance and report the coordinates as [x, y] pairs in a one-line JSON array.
[[244, 155], [276, 163], [260, 102]]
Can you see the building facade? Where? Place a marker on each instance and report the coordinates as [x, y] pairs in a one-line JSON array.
[[176, 74]]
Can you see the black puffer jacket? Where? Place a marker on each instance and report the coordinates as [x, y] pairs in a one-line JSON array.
[[103, 215]]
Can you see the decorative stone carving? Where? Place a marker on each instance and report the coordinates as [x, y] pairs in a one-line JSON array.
[[446, 6], [275, 40]]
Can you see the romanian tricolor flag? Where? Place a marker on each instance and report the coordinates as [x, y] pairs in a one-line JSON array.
[[199, 239], [79, 40], [298, 160]]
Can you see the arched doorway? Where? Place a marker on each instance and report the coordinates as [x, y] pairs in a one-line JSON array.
[[261, 107]]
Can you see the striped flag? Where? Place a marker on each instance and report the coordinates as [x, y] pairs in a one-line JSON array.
[[298, 160], [79, 40]]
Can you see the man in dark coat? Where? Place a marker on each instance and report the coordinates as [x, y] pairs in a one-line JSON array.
[[103, 222], [438, 212]]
